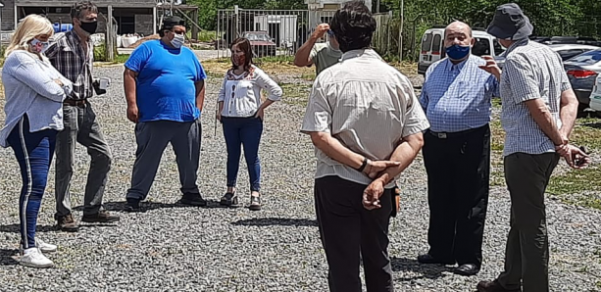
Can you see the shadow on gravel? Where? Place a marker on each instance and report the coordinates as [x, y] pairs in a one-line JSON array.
[[148, 206], [7, 257], [425, 271], [14, 228], [275, 221]]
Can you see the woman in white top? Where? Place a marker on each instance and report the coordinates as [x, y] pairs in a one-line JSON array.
[[241, 113], [34, 91]]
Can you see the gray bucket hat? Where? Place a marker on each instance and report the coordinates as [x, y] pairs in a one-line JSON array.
[[510, 23]]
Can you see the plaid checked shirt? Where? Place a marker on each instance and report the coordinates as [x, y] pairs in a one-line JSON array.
[[67, 55], [457, 97], [531, 71]]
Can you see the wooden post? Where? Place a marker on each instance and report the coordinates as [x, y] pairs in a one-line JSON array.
[[110, 35], [195, 26]]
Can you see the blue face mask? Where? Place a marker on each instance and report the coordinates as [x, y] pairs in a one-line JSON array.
[[457, 52]]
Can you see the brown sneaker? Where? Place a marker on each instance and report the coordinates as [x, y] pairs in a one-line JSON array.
[[100, 217], [66, 223], [493, 286]]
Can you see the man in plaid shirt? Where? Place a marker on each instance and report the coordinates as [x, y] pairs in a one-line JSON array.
[[72, 54]]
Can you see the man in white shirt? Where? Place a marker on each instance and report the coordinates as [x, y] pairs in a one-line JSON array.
[[365, 135]]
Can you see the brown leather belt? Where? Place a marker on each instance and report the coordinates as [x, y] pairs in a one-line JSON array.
[[75, 102]]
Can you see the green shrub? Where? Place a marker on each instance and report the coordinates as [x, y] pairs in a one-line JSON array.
[[100, 53]]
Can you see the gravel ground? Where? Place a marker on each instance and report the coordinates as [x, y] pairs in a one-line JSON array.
[[176, 248]]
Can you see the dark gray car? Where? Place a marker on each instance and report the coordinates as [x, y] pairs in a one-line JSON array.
[[582, 71]]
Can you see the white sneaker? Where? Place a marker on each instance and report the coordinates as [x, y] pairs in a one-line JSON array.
[[32, 257], [45, 247]]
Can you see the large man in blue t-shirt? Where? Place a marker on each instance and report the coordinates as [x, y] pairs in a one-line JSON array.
[[164, 88]]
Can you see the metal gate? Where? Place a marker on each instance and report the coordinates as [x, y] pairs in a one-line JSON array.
[[271, 32]]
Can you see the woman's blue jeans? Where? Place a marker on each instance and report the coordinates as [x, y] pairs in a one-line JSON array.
[[34, 153], [244, 132]]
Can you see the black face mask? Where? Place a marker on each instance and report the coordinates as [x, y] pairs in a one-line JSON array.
[[89, 27]]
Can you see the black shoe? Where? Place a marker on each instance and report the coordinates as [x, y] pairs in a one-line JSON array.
[[428, 259], [493, 286], [467, 270], [229, 199], [132, 205], [192, 199], [100, 217], [255, 203]]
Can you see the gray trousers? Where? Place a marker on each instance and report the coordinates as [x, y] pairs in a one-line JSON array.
[[81, 127], [152, 139], [527, 253]]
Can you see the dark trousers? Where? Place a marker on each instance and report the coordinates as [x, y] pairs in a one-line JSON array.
[[152, 139], [350, 232], [81, 126], [527, 253], [458, 168], [245, 132], [34, 153]]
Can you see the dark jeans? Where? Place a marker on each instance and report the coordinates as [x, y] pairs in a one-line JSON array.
[[527, 253], [458, 168], [152, 139], [81, 126], [349, 233], [244, 132], [34, 153]]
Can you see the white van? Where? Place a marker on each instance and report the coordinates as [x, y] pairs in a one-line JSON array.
[[432, 48]]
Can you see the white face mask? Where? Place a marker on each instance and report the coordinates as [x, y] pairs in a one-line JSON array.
[[39, 46], [178, 41]]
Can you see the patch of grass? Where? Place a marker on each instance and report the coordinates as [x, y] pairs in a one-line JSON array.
[[497, 142], [280, 59], [121, 59], [275, 66], [496, 102], [217, 67], [309, 76], [578, 181], [204, 36], [406, 67], [587, 132], [296, 94]]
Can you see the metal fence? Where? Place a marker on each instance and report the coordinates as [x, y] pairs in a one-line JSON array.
[[282, 32], [271, 32]]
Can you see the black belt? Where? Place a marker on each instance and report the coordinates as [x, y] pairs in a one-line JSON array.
[[75, 102], [447, 135]]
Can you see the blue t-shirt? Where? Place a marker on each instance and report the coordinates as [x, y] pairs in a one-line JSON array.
[[165, 88]]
